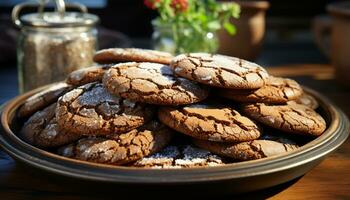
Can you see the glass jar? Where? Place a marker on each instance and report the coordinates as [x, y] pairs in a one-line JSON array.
[[53, 44], [182, 39]]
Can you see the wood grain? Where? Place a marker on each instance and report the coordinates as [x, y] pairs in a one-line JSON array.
[[329, 180]]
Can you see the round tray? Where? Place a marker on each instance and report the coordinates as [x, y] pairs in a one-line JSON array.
[[235, 177]]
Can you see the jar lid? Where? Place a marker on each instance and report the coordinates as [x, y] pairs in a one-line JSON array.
[[57, 19], [54, 19]]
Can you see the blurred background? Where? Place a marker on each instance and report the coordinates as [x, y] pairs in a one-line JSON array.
[[288, 37]]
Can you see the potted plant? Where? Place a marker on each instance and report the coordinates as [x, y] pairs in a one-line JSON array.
[[191, 25], [248, 40]]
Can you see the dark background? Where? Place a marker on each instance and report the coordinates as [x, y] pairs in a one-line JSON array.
[[288, 24], [133, 18]]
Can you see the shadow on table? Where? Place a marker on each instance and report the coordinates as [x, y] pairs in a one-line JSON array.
[[265, 193]]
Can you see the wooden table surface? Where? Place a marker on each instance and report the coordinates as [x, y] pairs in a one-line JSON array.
[[329, 180]]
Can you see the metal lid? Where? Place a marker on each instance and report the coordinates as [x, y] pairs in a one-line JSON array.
[[53, 19], [57, 19]]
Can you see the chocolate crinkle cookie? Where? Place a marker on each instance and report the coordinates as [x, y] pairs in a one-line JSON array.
[[152, 83], [294, 118], [210, 122], [278, 136], [87, 75], [91, 110], [276, 90], [122, 148], [307, 100], [116, 55], [250, 150], [181, 156], [42, 99], [219, 71], [42, 130]]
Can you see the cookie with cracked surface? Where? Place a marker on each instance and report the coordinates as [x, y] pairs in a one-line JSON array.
[[152, 83], [87, 75], [42, 130], [250, 150], [297, 118], [276, 90], [42, 99], [91, 110], [278, 137], [186, 156], [116, 55], [210, 122], [219, 71], [122, 148], [307, 100]]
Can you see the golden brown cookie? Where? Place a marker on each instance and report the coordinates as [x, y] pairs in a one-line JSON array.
[[122, 148], [250, 150], [186, 156], [152, 83], [116, 55], [307, 100], [87, 75], [42, 99], [210, 122], [42, 130], [219, 71], [276, 90], [297, 118], [91, 110]]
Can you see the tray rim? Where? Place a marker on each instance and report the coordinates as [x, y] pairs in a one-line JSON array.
[[335, 134]]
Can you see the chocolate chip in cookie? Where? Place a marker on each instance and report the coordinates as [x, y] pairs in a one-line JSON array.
[[87, 75], [296, 118], [210, 122], [219, 71], [152, 83], [42, 130], [42, 99], [276, 90], [250, 150], [91, 110], [116, 55], [180, 156], [122, 148]]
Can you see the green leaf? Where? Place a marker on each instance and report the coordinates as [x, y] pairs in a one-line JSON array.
[[214, 25], [231, 29], [236, 11], [201, 17]]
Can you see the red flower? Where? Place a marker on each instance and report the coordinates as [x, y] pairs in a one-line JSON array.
[[151, 3], [179, 5]]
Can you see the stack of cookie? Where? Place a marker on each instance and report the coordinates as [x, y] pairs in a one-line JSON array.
[[146, 108]]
